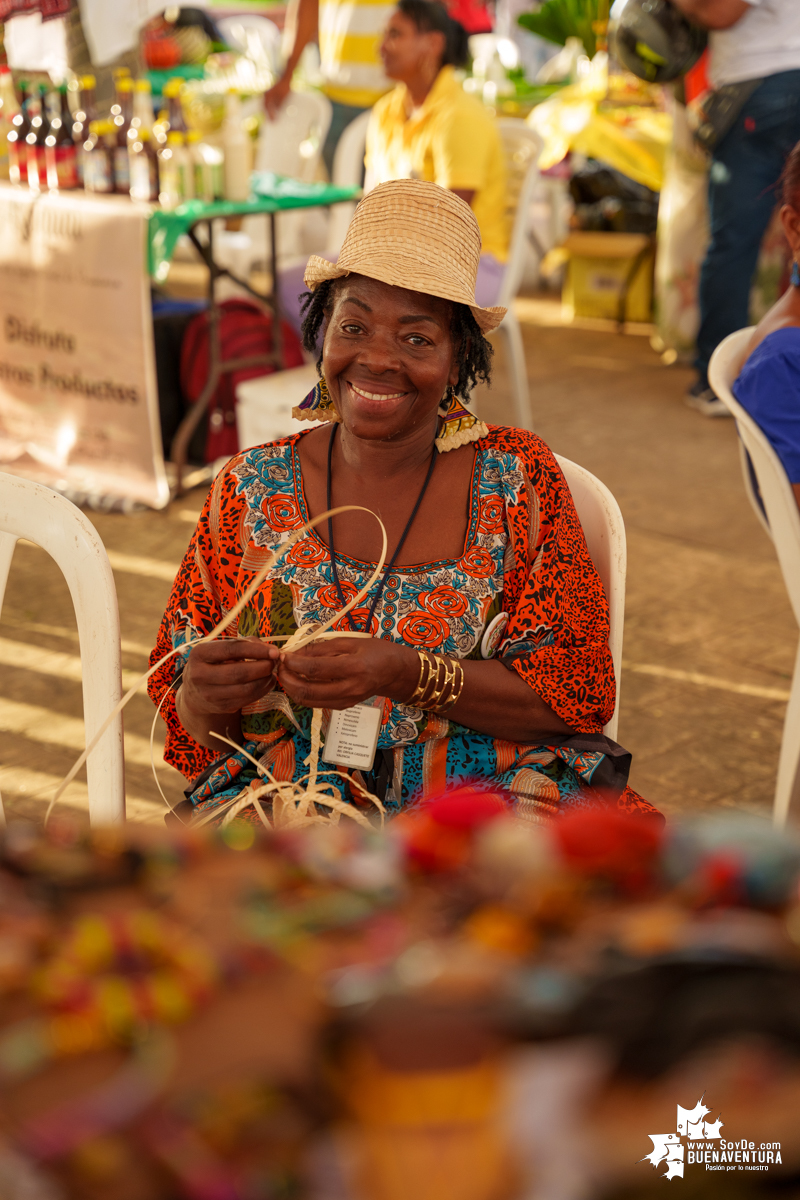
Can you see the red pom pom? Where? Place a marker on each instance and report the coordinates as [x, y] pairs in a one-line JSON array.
[[605, 843], [438, 834], [464, 809]]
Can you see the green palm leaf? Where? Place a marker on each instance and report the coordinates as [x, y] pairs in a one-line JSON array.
[[558, 20]]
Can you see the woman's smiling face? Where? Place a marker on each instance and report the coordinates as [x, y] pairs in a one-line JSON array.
[[387, 358]]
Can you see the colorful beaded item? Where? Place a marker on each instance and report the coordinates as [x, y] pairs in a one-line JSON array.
[[317, 405], [458, 425], [111, 977]]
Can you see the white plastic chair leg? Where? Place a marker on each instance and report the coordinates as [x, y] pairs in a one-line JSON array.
[[33, 511], [509, 328], [787, 790], [7, 545]]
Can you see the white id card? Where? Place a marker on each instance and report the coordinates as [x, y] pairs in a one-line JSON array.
[[353, 736]]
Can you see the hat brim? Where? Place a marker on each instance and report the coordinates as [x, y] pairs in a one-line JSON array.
[[319, 269]]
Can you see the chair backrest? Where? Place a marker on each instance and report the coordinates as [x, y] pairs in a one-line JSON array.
[[292, 143], [604, 530], [30, 510], [776, 495], [348, 171], [255, 36], [522, 147], [728, 360]]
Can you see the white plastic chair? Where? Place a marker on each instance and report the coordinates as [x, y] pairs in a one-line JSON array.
[[522, 147], [290, 145], [778, 513], [348, 169], [257, 37], [30, 510], [604, 530]]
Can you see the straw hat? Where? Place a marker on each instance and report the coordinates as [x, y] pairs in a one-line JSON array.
[[413, 235]]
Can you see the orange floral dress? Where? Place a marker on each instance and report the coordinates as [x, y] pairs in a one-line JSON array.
[[524, 570]]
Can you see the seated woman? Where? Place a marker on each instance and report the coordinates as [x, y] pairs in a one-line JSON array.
[[769, 382], [487, 563], [429, 128]]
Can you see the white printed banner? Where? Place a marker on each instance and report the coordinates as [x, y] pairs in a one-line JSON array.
[[78, 397]]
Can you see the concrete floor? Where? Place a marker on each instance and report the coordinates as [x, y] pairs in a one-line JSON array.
[[710, 639]]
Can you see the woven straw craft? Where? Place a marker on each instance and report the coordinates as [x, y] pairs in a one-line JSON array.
[[413, 235]]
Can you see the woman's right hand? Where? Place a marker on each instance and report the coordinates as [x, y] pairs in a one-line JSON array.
[[220, 678]]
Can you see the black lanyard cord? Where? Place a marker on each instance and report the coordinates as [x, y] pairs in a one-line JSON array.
[[387, 570]]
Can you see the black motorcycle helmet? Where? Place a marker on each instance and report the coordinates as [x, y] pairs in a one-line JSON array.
[[655, 41]]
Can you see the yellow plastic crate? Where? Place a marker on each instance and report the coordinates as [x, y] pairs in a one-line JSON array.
[[598, 267]]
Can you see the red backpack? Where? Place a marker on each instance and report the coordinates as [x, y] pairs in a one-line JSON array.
[[245, 329]]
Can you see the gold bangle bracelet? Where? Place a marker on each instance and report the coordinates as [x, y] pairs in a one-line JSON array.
[[442, 678], [441, 688], [426, 668], [455, 691]]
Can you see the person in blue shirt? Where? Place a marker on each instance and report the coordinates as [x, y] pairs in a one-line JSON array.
[[769, 382]]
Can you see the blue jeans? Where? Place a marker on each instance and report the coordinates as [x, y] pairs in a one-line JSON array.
[[742, 194], [341, 117]]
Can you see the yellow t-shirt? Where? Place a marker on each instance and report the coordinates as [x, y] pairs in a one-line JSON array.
[[450, 140], [350, 33]]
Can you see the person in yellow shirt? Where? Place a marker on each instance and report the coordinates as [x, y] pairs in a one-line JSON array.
[[429, 128], [349, 34]]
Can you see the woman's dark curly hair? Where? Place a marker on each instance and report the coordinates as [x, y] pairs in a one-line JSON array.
[[471, 350]]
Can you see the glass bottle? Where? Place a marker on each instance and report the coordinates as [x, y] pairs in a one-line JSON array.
[[121, 124], [143, 166], [195, 164], [35, 141], [17, 147], [86, 111], [169, 170], [209, 163], [236, 146], [9, 107], [172, 92], [60, 152], [98, 164], [142, 107]]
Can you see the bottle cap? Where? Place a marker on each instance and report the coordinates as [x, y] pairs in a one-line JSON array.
[[88, 81], [193, 136], [120, 72], [174, 138], [173, 86], [142, 134], [124, 83], [142, 85]]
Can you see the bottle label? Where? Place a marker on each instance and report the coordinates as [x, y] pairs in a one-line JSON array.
[[96, 173], [36, 178], [122, 171], [142, 182], [66, 168]]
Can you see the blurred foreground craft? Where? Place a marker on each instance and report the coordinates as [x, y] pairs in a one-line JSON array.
[[336, 1012]]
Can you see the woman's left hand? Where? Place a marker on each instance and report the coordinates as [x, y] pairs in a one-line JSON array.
[[344, 671]]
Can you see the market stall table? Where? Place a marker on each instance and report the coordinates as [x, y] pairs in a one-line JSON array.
[[271, 194], [78, 393]]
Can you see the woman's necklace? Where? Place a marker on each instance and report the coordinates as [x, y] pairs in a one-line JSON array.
[[388, 570]]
